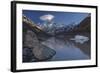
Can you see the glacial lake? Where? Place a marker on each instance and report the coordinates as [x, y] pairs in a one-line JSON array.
[[67, 49]]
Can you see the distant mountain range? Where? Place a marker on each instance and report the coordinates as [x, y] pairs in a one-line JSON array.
[[83, 26]]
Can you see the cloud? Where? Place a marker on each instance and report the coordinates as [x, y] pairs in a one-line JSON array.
[[47, 17]]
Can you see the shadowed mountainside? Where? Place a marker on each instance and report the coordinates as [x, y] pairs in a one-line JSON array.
[[30, 25], [84, 26]]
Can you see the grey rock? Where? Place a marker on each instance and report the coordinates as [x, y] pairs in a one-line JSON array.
[[27, 55], [43, 53], [39, 51], [31, 40]]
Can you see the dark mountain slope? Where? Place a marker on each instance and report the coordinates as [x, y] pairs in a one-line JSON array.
[[30, 25], [84, 26]]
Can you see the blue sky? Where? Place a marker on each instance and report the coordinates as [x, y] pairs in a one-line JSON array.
[[59, 17]]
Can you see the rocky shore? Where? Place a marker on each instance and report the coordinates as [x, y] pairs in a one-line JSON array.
[[33, 49]]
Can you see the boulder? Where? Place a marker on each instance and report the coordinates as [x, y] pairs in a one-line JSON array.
[[43, 53], [27, 55], [39, 51]]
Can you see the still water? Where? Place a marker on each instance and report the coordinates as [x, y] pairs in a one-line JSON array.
[[65, 49]]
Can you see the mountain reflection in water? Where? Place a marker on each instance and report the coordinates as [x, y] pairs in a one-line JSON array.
[[65, 49]]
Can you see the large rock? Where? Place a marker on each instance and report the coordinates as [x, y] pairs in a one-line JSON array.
[[31, 40], [27, 55], [39, 51], [43, 53]]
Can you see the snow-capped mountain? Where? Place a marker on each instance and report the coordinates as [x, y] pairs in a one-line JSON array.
[[56, 28]]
